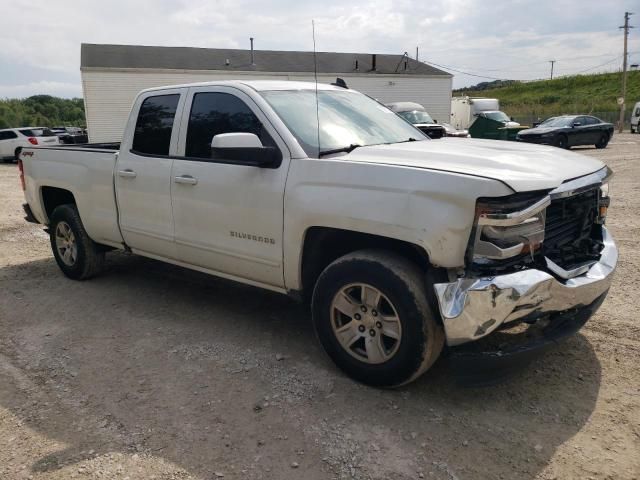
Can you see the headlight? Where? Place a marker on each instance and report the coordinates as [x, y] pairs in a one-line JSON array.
[[508, 227], [603, 202]]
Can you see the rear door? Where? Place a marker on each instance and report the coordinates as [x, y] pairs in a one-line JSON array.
[[143, 173], [228, 215]]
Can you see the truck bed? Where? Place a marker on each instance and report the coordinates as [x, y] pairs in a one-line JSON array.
[[84, 170]]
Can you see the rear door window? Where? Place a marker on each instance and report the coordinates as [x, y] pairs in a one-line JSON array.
[[154, 125], [36, 132], [8, 135]]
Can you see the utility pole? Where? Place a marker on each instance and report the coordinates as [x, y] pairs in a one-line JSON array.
[[417, 59], [552, 62], [626, 28]]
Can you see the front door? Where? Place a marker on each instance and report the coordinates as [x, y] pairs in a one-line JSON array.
[[143, 174], [228, 215]]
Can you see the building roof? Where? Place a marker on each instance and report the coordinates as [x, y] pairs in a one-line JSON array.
[[189, 58]]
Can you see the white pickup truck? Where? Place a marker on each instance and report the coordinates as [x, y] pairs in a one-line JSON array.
[[403, 246]]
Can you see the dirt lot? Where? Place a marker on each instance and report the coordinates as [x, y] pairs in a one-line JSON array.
[[152, 371]]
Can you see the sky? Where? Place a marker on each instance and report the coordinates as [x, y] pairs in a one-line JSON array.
[[514, 39]]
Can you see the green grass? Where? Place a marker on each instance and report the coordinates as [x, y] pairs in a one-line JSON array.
[[576, 94]]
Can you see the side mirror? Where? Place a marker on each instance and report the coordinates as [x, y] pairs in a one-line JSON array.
[[245, 149], [435, 121], [576, 124], [535, 124], [513, 119]]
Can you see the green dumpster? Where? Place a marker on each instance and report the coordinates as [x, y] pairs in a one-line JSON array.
[[484, 127]]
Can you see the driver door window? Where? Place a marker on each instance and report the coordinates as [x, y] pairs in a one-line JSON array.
[[213, 113]]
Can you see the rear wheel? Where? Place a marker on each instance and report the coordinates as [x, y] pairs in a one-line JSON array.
[[76, 254], [604, 140], [371, 315], [561, 141]]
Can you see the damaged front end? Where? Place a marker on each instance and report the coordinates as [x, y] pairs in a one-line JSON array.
[[533, 264]]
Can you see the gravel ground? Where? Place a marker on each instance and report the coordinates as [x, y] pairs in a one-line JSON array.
[[155, 372]]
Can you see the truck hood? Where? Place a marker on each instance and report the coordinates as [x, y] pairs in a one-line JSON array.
[[522, 166]]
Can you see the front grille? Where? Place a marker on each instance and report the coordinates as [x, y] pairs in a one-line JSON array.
[[434, 132], [571, 236]]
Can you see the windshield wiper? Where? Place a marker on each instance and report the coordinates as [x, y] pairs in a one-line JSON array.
[[348, 149]]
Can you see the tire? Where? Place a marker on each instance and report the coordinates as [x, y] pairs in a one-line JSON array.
[[604, 140], [78, 256], [561, 142], [376, 358]]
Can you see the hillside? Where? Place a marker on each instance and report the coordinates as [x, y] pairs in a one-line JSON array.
[[41, 111], [596, 94]]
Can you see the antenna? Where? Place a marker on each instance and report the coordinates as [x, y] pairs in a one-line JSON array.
[[315, 76]]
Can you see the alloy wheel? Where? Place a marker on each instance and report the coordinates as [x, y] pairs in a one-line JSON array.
[[365, 323]]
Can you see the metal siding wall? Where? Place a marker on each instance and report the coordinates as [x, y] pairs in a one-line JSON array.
[[108, 96]]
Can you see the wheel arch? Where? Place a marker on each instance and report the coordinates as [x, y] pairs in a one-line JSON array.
[[52, 197], [323, 245]]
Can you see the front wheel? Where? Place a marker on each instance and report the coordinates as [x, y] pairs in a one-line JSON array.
[[371, 315], [76, 254], [604, 140], [562, 141]]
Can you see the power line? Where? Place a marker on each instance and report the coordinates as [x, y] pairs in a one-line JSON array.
[[457, 70], [598, 66]]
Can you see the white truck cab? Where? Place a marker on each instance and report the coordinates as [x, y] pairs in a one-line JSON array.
[[402, 245], [465, 110]]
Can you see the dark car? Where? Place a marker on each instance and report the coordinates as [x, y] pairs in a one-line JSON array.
[[415, 114], [70, 135], [568, 131]]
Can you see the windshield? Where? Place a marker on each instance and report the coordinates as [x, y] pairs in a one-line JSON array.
[[416, 116], [557, 122], [498, 116], [346, 118]]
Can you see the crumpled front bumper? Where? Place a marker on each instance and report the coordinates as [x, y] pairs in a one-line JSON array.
[[472, 308]]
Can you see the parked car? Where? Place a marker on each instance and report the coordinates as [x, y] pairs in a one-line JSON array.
[[12, 140], [450, 131], [400, 243], [415, 114], [70, 135], [635, 118], [568, 131]]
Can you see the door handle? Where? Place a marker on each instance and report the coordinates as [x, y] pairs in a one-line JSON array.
[[186, 180], [127, 173]]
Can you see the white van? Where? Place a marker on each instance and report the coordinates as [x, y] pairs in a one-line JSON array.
[[635, 118]]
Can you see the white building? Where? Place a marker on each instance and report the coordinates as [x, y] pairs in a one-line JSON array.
[[112, 75]]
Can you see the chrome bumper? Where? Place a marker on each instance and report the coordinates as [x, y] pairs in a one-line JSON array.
[[472, 308]]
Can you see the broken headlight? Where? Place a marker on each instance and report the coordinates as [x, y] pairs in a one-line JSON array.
[[508, 227]]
